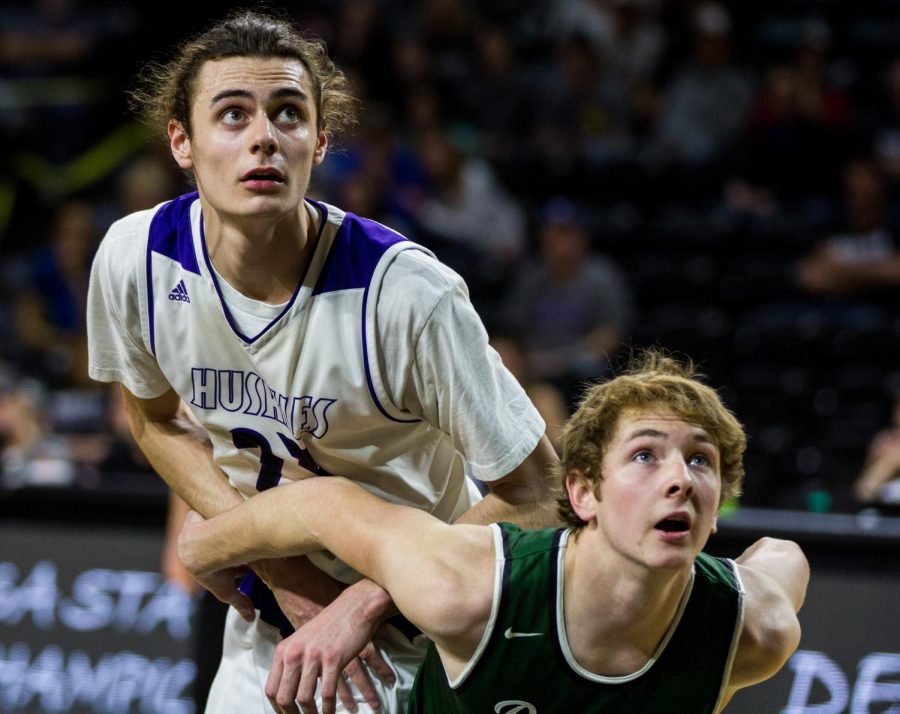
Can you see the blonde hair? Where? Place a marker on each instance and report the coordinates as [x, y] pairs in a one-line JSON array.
[[653, 381], [164, 91]]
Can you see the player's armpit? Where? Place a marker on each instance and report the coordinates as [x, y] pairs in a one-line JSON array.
[[523, 496], [445, 582]]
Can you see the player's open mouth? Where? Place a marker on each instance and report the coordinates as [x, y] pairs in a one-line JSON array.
[[675, 523]]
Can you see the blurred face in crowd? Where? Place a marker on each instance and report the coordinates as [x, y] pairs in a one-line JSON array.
[[564, 246]]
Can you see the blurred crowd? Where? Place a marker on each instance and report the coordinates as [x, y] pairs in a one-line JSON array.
[[717, 178]]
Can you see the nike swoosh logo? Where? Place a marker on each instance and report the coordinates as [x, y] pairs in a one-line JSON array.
[[509, 634]]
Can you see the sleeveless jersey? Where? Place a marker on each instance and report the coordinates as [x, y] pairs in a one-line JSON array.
[[308, 390], [524, 666]]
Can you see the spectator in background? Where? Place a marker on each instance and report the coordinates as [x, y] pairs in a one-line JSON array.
[[49, 45], [412, 65], [360, 42], [863, 256], [571, 309], [886, 136], [882, 465], [30, 455], [582, 107], [147, 180], [705, 104], [465, 215], [496, 98], [625, 32], [636, 41], [446, 28], [52, 298], [796, 134]]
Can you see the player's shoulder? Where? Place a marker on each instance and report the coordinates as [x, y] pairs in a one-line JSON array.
[[126, 238], [519, 543], [418, 268], [720, 571]]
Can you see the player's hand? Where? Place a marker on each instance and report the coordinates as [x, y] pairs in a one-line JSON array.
[[301, 589], [337, 640], [221, 583]]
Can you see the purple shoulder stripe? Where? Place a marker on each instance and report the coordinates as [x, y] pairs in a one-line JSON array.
[[170, 232], [356, 250], [170, 235]]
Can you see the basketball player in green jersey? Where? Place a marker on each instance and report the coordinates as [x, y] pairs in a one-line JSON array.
[[620, 612]]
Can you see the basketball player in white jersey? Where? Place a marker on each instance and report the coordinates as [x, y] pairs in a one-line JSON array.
[[303, 340]]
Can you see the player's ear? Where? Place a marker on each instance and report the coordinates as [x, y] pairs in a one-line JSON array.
[[715, 524], [582, 495], [180, 144], [321, 147]]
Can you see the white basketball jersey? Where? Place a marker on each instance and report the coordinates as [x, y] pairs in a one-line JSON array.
[[306, 393]]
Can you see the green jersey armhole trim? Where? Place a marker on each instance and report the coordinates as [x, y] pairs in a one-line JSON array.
[[736, 637], [499, 565]]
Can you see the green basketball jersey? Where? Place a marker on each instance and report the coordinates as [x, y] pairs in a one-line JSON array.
[[523, 664]]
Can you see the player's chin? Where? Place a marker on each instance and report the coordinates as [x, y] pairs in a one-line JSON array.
[[673, 563], [267, 206]]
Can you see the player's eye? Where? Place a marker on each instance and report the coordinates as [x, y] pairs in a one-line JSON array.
[[701, 460], [644, 456], [289, 114], [233, 115]]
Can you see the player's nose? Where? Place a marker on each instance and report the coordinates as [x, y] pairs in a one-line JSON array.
[[263, 138], [679, 481]]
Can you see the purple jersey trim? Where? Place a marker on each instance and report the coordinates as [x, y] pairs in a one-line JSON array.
[[357, 248], [170, 232], [212, 274], [150, 308], [365, 346], [170, 235]]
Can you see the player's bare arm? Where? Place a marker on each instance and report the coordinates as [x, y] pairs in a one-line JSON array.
[[442, 579], [775, 574], [180, 452], [523, 495]]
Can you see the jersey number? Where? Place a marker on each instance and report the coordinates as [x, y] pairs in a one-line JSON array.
[[270, 465]]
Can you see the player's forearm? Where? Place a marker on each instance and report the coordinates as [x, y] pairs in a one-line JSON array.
[[524, 497], [187, 466], [182, 456], [301, 518]]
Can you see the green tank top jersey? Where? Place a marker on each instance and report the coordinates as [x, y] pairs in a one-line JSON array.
[[523, 664]]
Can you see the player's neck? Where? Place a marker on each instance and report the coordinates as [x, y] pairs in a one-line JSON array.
[[263, 259], [616, 614]]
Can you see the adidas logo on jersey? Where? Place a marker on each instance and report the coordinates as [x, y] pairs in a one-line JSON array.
[[179, 292]]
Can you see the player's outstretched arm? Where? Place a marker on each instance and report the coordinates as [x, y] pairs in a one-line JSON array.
[[775, 574], [439, 576]]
